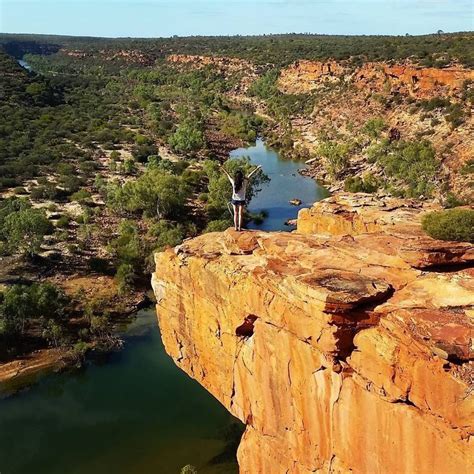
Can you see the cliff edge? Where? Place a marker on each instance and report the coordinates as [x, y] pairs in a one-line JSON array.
[[344, 347]]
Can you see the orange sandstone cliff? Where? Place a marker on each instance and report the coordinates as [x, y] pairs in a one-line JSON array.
[[344, 347], [304, 76]]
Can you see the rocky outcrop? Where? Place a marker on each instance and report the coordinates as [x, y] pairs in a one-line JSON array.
[[226, 66], [344, 350], [415, 81], [305, 76]]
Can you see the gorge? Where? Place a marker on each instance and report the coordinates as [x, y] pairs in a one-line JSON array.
[[344, 346]]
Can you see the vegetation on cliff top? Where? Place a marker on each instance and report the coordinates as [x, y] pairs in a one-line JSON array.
[[430, 50], [451, 224]]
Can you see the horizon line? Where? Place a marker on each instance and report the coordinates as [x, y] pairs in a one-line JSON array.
[[241, 36]]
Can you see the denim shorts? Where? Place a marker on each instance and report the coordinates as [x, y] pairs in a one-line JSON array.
[[236, 202]]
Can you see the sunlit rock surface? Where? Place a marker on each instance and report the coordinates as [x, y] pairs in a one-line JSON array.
[[305, 76], [344, 347]]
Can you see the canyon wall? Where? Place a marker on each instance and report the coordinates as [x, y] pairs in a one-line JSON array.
[[304, 76], [344, 347]]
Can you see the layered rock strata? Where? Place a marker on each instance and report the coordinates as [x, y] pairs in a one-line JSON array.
[[304, 76], [344, 347]]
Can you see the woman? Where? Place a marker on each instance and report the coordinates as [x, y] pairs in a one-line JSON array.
[[239, 191]]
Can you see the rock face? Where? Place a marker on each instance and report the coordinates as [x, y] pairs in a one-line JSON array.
[[305, 76], [344, 347]]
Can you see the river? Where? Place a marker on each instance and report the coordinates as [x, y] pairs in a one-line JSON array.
[[137, 411], [24, 64], [285, 184]]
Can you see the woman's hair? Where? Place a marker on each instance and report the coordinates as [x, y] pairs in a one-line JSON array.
[[238, 180]]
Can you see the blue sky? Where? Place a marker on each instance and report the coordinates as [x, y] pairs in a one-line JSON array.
[[153, 18]]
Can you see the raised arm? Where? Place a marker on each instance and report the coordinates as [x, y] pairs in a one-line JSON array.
[[254, 171], [227, 174]]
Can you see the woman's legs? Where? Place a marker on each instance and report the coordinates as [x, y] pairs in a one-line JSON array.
[[236, 216], [241, 212]]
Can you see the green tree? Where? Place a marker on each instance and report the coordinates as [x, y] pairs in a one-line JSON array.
[[155, 192], [336, 155], [187, 138], [25, 230]]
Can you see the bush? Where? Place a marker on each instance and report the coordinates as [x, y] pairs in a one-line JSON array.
[[189, 469], [63, 222], [413, 163], [218, 225], [435, 103], [24, 230], [165, 234], [127, 248], [265, 86], [336, 155], [155, 192], [81, 196], [455, 115], [188, 138], [53, 332], [125, 278], [21, 303], [374, 127], [142, 152], [452, 224], [356, 184], [468, 168], [452, 200]]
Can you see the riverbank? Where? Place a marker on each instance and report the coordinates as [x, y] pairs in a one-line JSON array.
[[97, 293]]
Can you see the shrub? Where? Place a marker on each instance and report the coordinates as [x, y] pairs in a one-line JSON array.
[[63, 222], [452, 224], [265, 86], [435, 103], [218, 225], [125, 277], [336, 155], [413, 163], [81, 196], [127, 248], [187, 138], [452, 200], [20, 303], [53, 332], [455, 115], [24, 230], [374, 127], [155, 192], [143, 151], [356, 184], [468, 168], [165, 234], [189, 469]]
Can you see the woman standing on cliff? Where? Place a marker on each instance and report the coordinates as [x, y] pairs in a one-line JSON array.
[[239, 192]]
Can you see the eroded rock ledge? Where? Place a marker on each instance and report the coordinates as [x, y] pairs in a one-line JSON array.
[[344, 347]]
